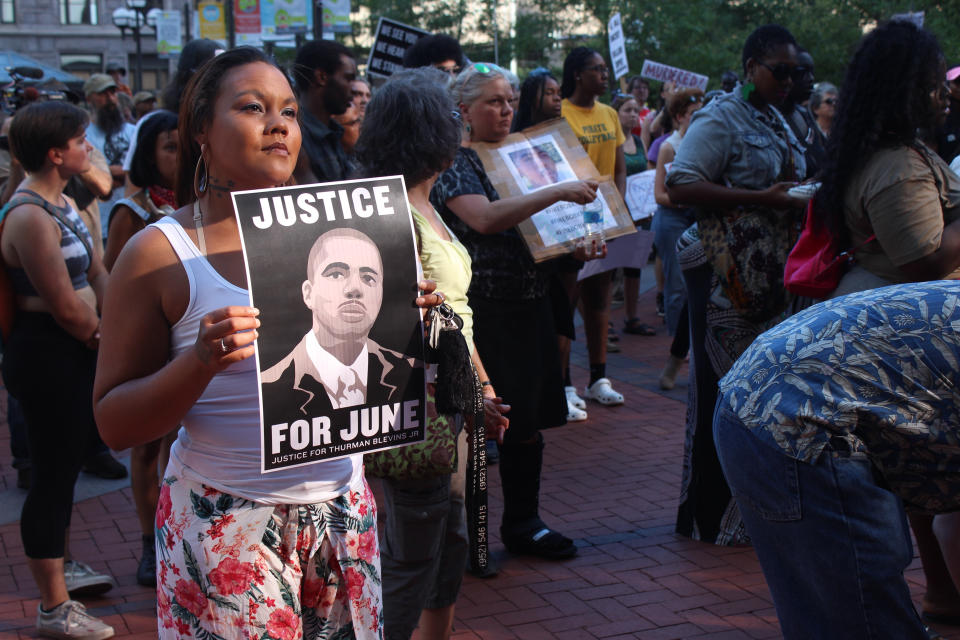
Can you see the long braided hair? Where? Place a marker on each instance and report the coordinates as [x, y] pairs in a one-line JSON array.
[[884, 101]]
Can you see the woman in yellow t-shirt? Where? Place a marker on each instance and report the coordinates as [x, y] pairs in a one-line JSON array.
[[585, 76]]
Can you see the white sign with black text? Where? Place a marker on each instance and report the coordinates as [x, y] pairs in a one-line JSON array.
[[680, 77], [618, 51], [332, 268]]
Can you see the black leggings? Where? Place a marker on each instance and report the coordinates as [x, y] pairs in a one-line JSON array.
[[51, 374], [681, 339]]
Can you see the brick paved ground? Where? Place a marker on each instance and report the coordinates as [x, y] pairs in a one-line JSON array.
[[611, 483]]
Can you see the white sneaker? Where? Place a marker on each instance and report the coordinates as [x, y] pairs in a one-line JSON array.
[[601, 391], [82, 580], [70, 620], [575, 414], [573, 399]]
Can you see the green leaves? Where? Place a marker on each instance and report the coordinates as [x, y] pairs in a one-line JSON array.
[[192, 568], [202, 507]]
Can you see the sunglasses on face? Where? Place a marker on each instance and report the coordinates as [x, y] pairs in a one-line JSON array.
[[830, 101], [782, 71], [451, 69]]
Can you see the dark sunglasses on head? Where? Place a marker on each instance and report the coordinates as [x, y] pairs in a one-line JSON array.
[[782, 71]]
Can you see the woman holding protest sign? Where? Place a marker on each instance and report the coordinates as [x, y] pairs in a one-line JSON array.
[[50, 355], [628, 110], [240, 553], [513, 318], [737, 161], [539, 102]]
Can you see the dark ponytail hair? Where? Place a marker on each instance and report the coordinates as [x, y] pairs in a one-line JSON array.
[[884, 101], [531, 98], [574, 63], [196, 111]]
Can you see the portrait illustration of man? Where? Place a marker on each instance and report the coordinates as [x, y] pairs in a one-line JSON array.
[[336, 365]]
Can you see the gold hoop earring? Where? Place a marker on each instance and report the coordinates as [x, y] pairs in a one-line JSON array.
[[200, 175]]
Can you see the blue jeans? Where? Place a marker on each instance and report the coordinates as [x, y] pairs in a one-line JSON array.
[[668, 225], [833, 544]]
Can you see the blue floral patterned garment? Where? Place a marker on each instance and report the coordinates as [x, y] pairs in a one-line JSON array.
[[873, 373]]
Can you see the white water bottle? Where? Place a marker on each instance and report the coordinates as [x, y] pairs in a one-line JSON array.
[[593, 238]]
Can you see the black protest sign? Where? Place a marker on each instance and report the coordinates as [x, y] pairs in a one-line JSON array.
[[390, 43], [333, 269]]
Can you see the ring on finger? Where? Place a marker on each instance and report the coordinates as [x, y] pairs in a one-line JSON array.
[[442, 297], [223, 347]]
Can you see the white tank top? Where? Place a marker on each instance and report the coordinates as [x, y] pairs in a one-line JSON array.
[[219, 440]]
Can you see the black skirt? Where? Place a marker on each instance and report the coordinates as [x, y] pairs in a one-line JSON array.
[[517, 342]]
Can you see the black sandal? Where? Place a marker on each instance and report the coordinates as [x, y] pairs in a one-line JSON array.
[[637, 328], [543, 543]]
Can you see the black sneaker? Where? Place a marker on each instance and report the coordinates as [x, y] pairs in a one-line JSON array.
[[660, 310], [23, 479], [147, 570], [103, 465]]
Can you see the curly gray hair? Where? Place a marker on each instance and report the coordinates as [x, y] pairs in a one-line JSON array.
[[411, 127]]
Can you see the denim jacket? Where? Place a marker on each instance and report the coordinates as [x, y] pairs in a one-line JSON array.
[[731, 143]]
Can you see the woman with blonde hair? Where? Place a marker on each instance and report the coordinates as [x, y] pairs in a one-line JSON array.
[[513, 318]]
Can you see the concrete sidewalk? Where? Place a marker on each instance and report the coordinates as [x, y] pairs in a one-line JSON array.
[[611, 483]]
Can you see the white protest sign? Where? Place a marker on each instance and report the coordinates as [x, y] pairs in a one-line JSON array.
[[640, 200], [340, 353], [169, 41], [916, 17], [632, 252], [618, 53], [680, 77]]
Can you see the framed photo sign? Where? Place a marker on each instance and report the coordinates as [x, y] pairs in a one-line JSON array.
[[538, 158]]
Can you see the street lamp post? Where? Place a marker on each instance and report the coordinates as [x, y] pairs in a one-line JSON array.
[[136, 16]]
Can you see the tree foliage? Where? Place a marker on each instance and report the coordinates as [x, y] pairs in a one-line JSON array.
[[705, 36]]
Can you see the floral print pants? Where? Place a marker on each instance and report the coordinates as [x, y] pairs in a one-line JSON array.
[[229, 568]]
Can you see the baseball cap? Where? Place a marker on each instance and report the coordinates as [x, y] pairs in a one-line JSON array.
[[953, 74], [98, 82], [143, 96]]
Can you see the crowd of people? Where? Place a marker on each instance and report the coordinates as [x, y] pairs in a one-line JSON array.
[[816, 430]]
